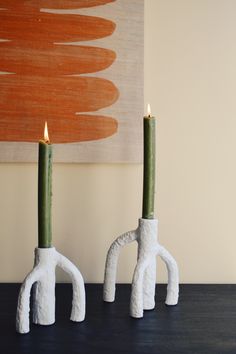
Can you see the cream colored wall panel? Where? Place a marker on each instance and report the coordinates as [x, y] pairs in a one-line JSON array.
[[190, 81]]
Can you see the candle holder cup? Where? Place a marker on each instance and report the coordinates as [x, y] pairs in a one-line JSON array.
[[42, 279], [144, 277]]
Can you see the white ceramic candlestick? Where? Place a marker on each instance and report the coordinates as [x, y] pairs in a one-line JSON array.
[[144, 278], [43, 275]]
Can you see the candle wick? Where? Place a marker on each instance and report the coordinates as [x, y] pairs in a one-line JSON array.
[[47, 141]]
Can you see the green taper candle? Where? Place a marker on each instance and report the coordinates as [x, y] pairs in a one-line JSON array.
[[45, 192], [149, 159]]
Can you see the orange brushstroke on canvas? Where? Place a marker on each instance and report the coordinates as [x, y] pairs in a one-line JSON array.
[[63, 128], [29, 93], [40, 88], [48, 27], [52, 4], [54, 61]]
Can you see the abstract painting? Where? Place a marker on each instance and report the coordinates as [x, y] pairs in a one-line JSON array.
[[77, 64]]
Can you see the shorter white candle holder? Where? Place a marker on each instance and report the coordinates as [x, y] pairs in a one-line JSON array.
[[144, 278], [43, 278]]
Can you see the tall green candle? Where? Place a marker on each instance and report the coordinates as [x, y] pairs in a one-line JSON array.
[[45, 192], [149, 159]]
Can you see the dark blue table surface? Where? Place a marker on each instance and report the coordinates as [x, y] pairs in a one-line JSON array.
[[204, 322]]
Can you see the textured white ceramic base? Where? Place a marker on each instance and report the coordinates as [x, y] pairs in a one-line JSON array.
[[144, 278], [43, 278]]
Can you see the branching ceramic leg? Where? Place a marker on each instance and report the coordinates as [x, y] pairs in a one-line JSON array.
[[136, 301], [43, 274], [109, 288], [23, 306], [78, 302], [44, 289], [173, 277], [149, 285], [144, 280]]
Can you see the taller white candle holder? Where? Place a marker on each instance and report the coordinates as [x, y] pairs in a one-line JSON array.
[[42, 277], [144, 278]]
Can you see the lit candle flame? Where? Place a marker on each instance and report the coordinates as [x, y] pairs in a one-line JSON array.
[[46, 136], [148, 110]]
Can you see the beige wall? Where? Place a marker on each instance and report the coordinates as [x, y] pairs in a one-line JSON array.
[[190, 81]]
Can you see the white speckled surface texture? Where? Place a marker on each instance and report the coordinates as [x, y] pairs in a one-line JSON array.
[[43, 278], [144, 278]]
